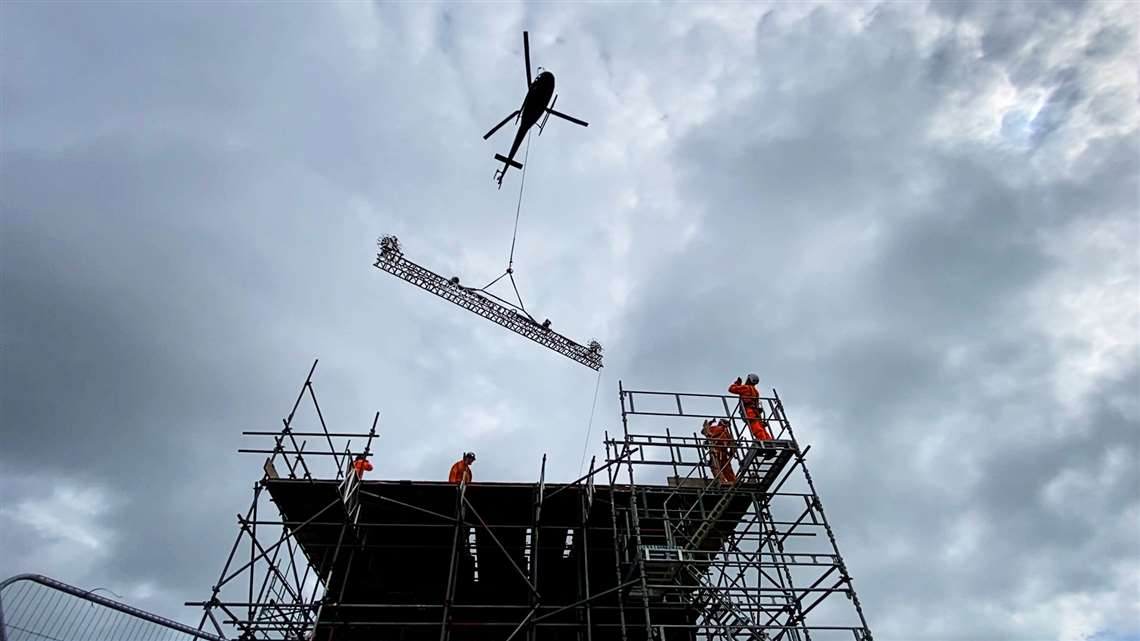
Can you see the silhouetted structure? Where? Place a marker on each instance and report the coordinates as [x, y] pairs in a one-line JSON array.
[[658, 550]]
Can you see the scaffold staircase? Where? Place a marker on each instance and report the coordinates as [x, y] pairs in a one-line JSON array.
[[752, 466], [723, 614]]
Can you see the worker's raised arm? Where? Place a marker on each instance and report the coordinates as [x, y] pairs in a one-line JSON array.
[[737, 388]]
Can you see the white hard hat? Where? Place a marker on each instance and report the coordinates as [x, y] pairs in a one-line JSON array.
[[753, 379]]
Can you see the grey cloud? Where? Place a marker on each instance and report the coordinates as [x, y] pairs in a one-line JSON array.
[[1105, 42], [1011, 26], [1060, 102], [190, 197], [871, 329]]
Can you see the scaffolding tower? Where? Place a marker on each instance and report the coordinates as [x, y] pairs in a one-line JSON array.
[[648, 545], [753, 558]]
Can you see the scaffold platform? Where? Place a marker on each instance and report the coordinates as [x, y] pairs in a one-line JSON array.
[[398, 554]]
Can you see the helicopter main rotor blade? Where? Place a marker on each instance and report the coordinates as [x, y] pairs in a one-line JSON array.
[[526, 55], [570, 118], [542, 125], [500, 125]]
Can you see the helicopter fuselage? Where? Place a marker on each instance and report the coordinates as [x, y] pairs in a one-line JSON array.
[[534, 105]]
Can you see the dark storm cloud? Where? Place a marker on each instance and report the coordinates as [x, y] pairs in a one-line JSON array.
[[114, 340], [190, 198], [190, 195]]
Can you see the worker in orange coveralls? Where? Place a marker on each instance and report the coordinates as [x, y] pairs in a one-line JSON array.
[[361, 465], [720, 450], [461, 471], [750, 400]]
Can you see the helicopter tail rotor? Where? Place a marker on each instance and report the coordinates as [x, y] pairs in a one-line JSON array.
[[507, 164]]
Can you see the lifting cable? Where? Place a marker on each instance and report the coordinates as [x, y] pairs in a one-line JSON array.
[[518, 207], [510, 272]]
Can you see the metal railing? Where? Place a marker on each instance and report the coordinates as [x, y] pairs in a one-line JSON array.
[[39, 608]]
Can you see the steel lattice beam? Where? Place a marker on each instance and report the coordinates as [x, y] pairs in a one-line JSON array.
[[391, 260]]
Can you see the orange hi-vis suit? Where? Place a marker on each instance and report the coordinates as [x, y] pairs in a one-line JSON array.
[[361, 466], [720, 452], [750, 400], [460, 472]]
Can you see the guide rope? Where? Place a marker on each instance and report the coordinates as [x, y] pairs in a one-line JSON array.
[[590, 424]]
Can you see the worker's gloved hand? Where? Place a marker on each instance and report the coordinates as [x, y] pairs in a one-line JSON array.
[[739, 380]]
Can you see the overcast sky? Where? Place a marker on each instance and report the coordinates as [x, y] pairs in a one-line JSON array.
[[918, 222]]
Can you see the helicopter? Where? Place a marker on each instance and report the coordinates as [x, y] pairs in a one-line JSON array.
[[537, 104]]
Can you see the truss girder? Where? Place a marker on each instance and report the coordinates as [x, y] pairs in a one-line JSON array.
[[392, 260]]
